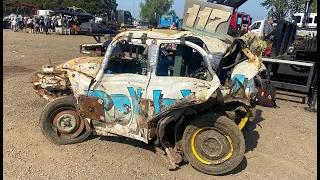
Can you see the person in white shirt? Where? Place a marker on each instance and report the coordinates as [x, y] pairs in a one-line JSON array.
[[30, 25], [14, 24], [11, 19], [59, 21]]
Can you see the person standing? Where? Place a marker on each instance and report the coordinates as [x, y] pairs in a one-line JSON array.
[[17, 23], [25, 24], [49, 25], [37, 25], [239, 19], [14, 24], [11, 20], [41, 24], [46, 25], [59, 21], [268, 28], [34, 24], [30, 25]]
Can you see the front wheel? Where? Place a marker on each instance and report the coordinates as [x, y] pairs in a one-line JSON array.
[[213, 144], [61, 124]]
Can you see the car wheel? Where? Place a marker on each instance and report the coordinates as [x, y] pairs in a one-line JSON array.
[[61, 124], [213, 144]]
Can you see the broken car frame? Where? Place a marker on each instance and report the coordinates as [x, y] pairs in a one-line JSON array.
[[188, 115]]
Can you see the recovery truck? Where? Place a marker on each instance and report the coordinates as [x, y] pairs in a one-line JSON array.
[[292, 62]]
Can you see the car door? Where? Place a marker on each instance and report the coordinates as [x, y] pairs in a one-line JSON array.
[[122, 87], [165, 89]]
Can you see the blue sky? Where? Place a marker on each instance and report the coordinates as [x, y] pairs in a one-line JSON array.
[[251, 7]]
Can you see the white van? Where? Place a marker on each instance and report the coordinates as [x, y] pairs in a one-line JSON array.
[[258, 27], [311, 23], [44, 13]]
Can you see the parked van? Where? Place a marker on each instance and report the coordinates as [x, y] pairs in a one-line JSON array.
[[311, 23], [44, 12], [258, 27]]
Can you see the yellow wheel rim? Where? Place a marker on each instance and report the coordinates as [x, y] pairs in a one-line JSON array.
[[244, 120], [194, 152]]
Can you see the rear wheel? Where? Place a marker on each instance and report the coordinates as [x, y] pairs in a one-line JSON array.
[[213, 144], [61, 124]]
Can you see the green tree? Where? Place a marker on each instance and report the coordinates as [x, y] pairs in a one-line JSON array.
[[313, 8], [278, 9], [151, 7]]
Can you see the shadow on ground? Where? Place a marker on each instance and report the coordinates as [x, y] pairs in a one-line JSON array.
[[250, 134], [251, 137], [124, 140]]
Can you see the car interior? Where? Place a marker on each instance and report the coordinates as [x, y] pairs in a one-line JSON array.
[[181, 60]]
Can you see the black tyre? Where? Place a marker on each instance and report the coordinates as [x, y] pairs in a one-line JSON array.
[[213, 144], [61, 124]]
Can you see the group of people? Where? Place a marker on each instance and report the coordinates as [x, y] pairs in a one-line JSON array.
[[40, 24]]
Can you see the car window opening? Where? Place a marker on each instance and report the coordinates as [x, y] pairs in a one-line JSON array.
[[127, 58], [181, 60]]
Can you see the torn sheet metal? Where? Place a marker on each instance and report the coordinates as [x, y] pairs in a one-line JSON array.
[[86, 65], [213, 44]]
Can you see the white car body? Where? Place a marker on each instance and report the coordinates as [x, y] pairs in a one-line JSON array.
[[258, 27]]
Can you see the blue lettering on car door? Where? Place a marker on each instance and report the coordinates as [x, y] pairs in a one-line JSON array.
[[121, 104], [160, 102]]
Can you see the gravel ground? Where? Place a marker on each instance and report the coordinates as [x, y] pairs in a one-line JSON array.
[[281, 144]]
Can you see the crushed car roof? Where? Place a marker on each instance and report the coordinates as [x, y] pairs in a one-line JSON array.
[[214, 45]]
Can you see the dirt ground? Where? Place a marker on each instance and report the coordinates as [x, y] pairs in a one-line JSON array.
[[280, 145]]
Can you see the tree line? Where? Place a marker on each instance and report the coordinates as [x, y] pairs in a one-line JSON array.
[[278, 9], [152, 9], [90, 6]]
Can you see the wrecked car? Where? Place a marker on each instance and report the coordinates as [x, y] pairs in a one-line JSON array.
[[189, 95]]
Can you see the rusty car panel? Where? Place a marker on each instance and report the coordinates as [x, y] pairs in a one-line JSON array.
[[91, 107]]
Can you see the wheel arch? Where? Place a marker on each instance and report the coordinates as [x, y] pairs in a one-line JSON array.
[[171, 127]]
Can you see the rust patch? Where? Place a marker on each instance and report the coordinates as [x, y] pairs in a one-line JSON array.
[[91, 107], [144, 106], [79, 125], [49, 80]]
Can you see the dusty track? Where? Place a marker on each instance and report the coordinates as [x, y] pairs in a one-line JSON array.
[[281, 146]]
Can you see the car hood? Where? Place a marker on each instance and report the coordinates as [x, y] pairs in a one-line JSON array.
[[86, 65]]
